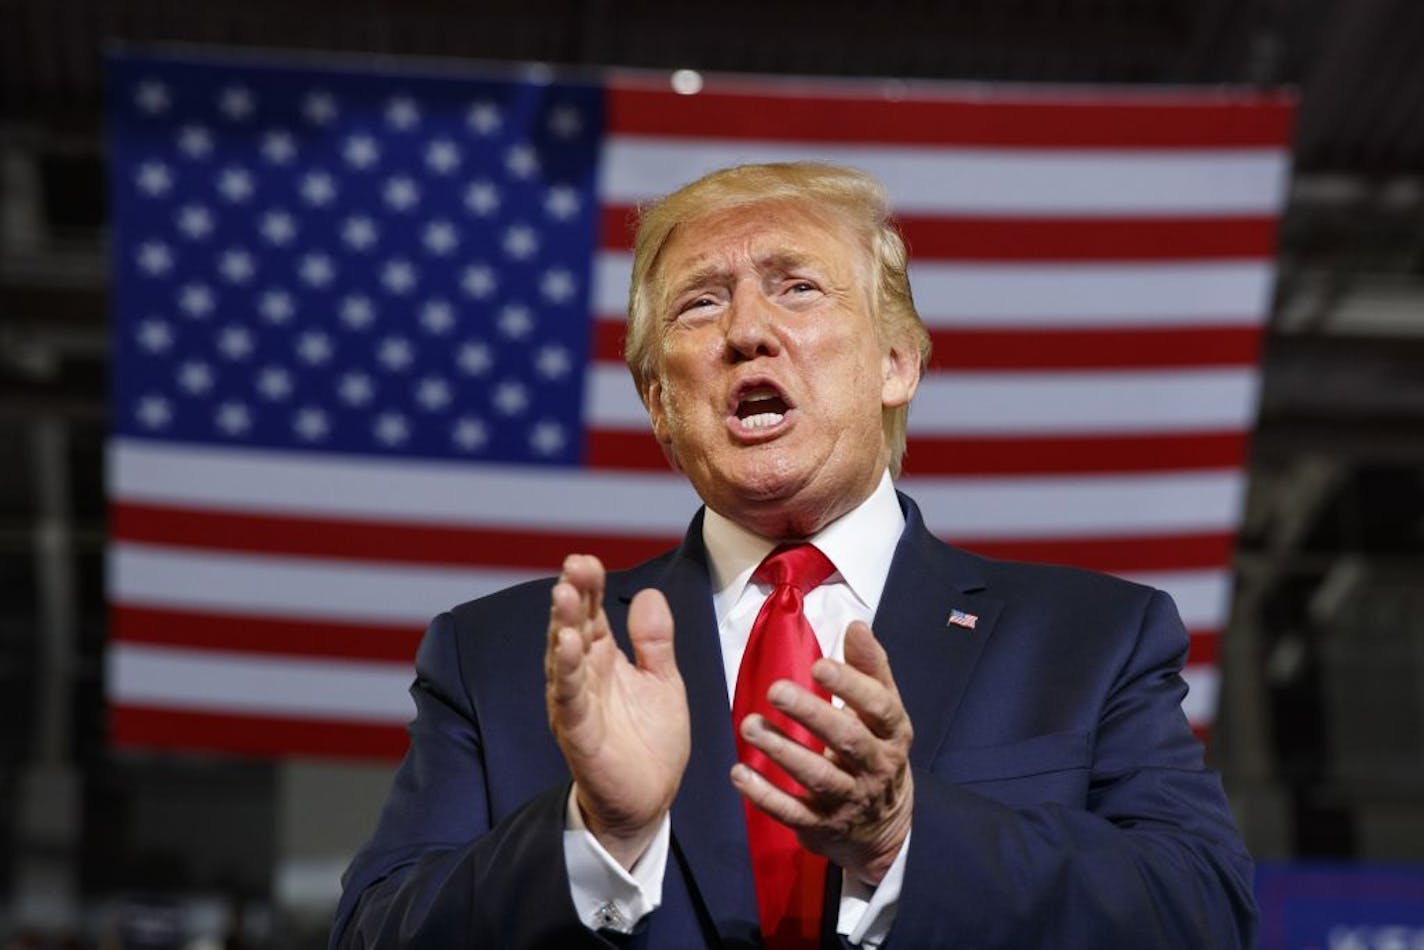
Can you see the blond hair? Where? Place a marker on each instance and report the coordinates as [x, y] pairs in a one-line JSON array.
[[849, 194]]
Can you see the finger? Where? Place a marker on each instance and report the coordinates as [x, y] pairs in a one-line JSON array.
[[758, 790], [650, 627], [870, 694], [567, 676], [821, 778], [845, 734], [864, 652], [585, 572]]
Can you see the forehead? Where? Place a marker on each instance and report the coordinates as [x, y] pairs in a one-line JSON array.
[[757, 233]]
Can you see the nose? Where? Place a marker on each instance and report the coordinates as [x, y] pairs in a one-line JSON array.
[[751, 327]]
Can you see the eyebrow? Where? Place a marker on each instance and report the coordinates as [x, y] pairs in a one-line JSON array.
[[777, 261]]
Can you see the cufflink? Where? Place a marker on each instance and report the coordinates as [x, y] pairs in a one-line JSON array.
[[609, 917]]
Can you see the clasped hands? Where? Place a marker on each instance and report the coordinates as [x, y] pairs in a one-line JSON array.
[[623, 729]]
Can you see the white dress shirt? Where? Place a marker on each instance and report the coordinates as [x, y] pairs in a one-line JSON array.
[[860, 544]]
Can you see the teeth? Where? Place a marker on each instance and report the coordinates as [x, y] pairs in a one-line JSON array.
[[761, 392], [762, 420]]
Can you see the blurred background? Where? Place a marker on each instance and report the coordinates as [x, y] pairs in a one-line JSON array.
[[1319, 733]]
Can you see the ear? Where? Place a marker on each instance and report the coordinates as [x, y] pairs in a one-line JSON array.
[[900, 376], [657, 415]]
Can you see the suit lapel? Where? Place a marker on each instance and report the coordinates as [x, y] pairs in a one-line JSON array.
[[931, 658], [709, 830]]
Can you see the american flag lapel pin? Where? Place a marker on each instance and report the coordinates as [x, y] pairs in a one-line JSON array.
[[960, 618]]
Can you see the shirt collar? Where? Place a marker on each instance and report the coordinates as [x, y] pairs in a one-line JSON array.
[[860, 543]]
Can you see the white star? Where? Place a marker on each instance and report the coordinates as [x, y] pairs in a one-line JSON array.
[[399, 276], [359, 232], [433, 393], [237, 265], [195, 221], [236, 102], [278, 147], [442, 156], [474, 358], [276, 306], [515, 321], [521, 242], [314, 347], [437, 316], [561, 202], [274, 383], [196, 300], [521, 161], [195, 377], [236, 184], [553, 362], [153, 179], [391, 428], [235, 342], [357, 312], [400, 193], [484, 118], [565, 122], [478, 281], [318, 189], [233, 418], [355, 389], [311, 424], [319, 107], [151, 96], [440, 237], [469, 433], [402, 113], [395, 353], [511, 397], [154, 258], [547, 438], [316, 269], [195, 141], [361, 152], [482, 198], [557, 285], [154, 412], [278, 227], [154, 335]]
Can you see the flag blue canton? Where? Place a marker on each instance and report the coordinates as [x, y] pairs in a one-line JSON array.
[[307, 259]]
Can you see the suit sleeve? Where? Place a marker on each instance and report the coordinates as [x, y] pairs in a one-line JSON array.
[[436, 873], [1152, 860]]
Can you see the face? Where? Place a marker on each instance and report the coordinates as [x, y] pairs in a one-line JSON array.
[[771, 370]]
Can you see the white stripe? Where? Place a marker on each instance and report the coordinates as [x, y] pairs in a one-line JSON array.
[[212, 681], [1151, 294], [148, 575], [1059, 403], [1203, 687], [423, 491], [657, 505], [1203, 597], [1006, 181]]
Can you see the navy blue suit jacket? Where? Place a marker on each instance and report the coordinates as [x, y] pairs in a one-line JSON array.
[[1060, 797]]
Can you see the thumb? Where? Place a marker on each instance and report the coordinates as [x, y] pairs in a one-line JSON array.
[[650, 629]]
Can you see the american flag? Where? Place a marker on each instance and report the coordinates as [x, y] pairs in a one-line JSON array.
[[368, 328]]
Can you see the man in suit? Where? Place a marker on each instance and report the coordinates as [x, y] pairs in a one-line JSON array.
[[714, 748]]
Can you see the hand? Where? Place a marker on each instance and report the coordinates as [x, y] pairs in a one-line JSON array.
[[859, 794], [623, 728]]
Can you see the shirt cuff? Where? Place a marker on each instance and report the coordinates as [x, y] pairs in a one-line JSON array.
[[606, 895], [867, 913]]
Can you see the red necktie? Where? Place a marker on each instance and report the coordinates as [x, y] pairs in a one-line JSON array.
[[790, 881]]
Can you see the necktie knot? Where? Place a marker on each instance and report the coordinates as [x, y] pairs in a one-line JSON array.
[[800, 566]]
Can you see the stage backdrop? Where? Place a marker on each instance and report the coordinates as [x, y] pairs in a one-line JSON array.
[[367, 325]]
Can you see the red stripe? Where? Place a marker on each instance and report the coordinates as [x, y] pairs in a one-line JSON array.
[[632, 450], [1205, 648], [480, 547], [950, 238], [1048, 349], [267, 635], [806, 113], [158, 728]]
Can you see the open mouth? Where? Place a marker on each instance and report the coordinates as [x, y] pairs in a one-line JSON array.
[[760, 406]]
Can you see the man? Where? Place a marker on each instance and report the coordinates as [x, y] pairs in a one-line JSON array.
[[1003, 762]]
